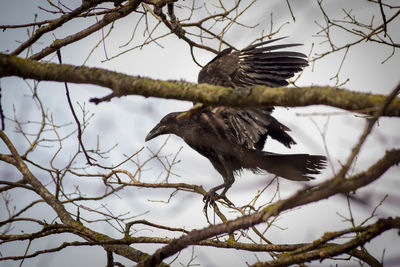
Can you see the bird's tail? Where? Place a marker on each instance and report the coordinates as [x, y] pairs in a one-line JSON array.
[[296, 167]]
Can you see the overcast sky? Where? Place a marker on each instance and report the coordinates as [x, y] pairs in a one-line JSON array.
[[127, 120]]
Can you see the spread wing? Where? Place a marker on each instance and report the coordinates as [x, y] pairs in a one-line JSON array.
[[258, 64]]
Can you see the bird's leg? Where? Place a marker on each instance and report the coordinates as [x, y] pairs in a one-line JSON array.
[[222, 195], [211, 196]]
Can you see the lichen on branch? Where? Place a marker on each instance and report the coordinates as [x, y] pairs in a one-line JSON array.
[[123, 85]]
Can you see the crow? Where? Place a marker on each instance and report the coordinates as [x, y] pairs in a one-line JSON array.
[[233, 138]]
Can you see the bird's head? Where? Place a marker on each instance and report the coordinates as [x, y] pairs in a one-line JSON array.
[[167, 125]]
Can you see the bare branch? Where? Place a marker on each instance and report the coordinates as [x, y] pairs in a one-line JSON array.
[[122, 84], [315, 193], [55, 24]]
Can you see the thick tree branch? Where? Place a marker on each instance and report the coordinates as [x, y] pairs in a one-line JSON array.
[[122, 84]]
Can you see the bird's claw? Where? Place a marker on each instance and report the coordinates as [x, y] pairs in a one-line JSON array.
[[210, 197]]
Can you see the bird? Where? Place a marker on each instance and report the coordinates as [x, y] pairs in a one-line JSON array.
[[233, 139]]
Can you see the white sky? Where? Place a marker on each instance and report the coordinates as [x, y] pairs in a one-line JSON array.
[[127, 120]]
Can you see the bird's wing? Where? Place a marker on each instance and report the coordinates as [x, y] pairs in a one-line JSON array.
[[264, 65], [219, 70], [258, 64], [248, 127]]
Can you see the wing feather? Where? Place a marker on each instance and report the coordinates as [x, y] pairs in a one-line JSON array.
[[258, 64], [248, 127]]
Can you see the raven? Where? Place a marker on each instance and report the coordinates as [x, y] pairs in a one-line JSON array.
[[233, 138]]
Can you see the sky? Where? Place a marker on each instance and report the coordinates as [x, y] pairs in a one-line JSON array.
[[125, 121]]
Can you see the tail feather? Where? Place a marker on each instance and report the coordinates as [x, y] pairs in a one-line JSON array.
[[295, 167]]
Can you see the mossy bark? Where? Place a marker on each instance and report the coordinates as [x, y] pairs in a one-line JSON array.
[[122, 85]]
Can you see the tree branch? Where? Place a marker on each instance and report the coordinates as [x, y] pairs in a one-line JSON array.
[[372, 231], [122, 85], [305, 196], [63, 214], [55, 24], [107, 19]]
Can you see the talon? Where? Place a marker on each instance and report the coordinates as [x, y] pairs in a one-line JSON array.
[[210, 197], [227, 201]]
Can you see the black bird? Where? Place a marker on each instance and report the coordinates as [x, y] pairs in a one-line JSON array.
[[233, 138]]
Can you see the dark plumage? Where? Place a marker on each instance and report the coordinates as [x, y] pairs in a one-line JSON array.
[[233, 139], [254, 65]]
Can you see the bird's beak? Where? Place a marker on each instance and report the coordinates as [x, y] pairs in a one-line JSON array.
[[156, 131]]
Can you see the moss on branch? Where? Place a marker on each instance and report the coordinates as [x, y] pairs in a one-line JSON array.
[[122, 85]]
